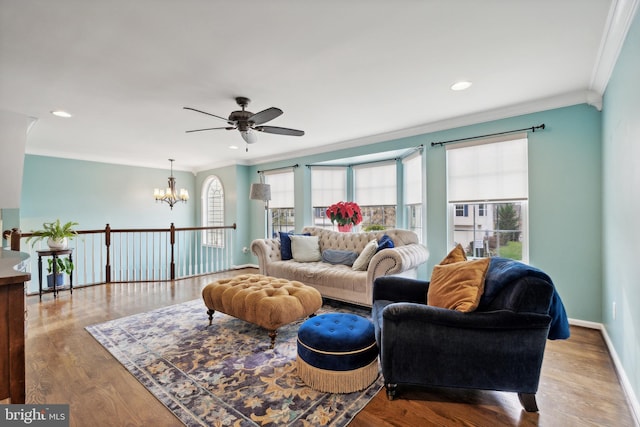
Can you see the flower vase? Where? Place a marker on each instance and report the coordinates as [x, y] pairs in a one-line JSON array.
[[345, 228]]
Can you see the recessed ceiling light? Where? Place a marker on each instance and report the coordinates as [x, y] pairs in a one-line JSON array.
[[462, 85], [61, 113], [233, 147]]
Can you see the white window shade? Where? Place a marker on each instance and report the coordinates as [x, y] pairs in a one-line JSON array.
[[282, 186], [412, 167], [495, 171], [328, 186], [375, 185]]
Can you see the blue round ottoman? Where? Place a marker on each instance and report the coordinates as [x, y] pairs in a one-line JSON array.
[[337, 353]]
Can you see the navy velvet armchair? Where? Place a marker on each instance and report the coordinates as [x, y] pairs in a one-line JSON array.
[[499, 346]]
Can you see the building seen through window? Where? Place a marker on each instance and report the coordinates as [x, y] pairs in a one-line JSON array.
[[487, 189]]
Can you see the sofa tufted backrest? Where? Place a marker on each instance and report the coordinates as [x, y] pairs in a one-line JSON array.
[[356, 242]]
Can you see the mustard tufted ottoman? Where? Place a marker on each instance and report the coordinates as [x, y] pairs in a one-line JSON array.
[[265, 301]]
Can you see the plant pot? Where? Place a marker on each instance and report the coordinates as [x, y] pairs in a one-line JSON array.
[[345, 228], [59, 280], [57, 244]]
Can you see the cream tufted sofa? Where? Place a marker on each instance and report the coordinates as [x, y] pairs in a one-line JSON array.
[[340, 281]]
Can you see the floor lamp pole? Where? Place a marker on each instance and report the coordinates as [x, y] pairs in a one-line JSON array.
[[266, 219]]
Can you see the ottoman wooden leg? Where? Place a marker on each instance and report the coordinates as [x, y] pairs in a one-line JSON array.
[[272, 335], [210, 313]]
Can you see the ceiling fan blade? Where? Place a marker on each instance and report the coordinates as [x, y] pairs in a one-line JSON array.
[[209, 114], [279, 131], [200, 130], [265, 115]]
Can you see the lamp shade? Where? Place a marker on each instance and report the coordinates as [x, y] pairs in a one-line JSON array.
[[260, 191]]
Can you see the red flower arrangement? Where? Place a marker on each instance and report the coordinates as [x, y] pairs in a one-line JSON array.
[[345, 213]]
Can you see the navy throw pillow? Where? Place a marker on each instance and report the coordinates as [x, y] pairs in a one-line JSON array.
[[285, 245], [385, 242]]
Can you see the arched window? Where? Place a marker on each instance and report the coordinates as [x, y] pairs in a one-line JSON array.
[[213, 211]]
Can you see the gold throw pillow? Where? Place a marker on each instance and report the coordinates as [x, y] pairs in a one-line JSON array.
[[458, 286], [456, 255]]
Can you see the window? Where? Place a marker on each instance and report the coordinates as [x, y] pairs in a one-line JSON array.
[[328, 186], [487, 190], [282, 213], [213, 211], [462, 210], [412, 173], [375, 192]]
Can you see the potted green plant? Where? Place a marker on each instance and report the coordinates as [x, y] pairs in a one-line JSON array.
[[56, 233], [374, 227], [63, 266]]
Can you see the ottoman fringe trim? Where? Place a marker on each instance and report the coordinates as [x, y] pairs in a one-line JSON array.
[[337, 381], [338, 353]]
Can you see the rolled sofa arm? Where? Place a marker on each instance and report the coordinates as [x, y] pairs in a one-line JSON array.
[[267, 250], [396, 260]]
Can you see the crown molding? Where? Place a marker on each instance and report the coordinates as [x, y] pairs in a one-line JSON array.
[[589, 97], [549, 103], [619, 20]]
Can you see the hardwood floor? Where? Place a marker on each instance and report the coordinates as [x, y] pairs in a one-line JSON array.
[[65, 364]]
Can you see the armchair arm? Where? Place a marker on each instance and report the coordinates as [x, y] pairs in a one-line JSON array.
[[267, 250], [432, 317], [400, 289], [396, 260]]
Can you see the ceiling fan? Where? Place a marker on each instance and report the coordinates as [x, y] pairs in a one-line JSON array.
[[248, 123]]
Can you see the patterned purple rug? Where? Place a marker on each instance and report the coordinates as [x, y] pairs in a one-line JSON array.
[[224, 374]]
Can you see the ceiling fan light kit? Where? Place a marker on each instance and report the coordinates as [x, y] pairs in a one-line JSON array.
[[248, 123]]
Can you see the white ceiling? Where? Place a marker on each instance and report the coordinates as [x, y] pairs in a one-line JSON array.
[[345, 72]]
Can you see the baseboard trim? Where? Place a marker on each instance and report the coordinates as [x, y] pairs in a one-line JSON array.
[[622, 376], [586, 324], [632, 399]]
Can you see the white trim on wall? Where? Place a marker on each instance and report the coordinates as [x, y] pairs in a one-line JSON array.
[[632, 399], [622, 375], [615, 32]]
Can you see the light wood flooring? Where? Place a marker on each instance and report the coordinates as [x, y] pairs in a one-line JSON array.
[[65, 364]]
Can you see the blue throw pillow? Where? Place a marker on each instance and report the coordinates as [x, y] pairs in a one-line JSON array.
[[285, 245], [385, 242], [334, 256]]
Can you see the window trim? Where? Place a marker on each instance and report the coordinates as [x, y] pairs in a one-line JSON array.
[[206, 187]]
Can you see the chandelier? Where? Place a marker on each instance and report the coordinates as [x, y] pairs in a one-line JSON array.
[[170, 195]]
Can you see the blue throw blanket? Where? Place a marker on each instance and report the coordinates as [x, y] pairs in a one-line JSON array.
[[503, 271]]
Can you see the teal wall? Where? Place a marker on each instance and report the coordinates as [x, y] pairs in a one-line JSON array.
[[94, 194], [564, 200], [621, 207], [564, 188]]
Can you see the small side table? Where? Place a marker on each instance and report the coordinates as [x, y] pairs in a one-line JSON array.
[[55, 254]]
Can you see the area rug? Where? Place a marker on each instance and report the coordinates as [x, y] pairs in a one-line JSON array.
[[224, 374]]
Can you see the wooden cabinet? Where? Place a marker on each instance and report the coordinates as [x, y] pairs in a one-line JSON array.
[[12, 325]]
